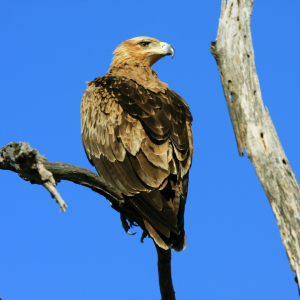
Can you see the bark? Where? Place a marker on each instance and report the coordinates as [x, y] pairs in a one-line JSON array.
[[33, 167], [252, 124]]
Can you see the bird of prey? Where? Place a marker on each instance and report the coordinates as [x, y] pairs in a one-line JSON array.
[[137, 133]]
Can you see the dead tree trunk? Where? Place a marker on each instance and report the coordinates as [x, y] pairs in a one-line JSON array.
[[252, 124], [33, 167]]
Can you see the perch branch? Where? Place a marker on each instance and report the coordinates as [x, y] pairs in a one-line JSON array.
[[252, 124], [33, 167]]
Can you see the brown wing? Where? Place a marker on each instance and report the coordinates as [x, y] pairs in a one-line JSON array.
[[141, 142]]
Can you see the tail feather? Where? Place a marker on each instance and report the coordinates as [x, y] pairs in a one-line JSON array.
[[164, 223], [156, 237]]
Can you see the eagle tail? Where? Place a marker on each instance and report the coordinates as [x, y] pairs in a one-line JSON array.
[[161, 221]]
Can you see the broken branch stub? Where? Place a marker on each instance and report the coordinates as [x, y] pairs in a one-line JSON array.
[[26, 161]]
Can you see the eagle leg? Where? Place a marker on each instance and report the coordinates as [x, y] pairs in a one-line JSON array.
[[125, 224]]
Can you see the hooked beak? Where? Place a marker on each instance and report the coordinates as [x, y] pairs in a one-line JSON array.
[[167, 49], [163, 49]]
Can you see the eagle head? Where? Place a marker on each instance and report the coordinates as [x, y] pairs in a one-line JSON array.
[[143, 49]]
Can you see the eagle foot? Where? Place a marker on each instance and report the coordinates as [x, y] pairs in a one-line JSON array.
[[131, 222], [125, 224]]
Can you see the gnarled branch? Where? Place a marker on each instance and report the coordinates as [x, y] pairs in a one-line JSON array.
[[33, 167], [252, 123]]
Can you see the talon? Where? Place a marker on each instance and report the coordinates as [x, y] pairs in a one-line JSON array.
[[130, 233], [125, 224], [132, 223], [144, 235]]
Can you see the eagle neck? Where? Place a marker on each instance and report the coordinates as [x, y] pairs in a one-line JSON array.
[[139, 72]]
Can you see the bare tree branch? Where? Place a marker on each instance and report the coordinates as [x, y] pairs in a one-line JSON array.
[[252, 123], [33, 167]]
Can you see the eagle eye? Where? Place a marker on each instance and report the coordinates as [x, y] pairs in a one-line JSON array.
[[144, 44]]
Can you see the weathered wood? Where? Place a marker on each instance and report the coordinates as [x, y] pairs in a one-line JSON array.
[[26, 161], [33, 167], [252, 123]]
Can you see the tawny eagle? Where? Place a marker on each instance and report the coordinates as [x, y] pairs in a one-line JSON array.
[[137, 133]]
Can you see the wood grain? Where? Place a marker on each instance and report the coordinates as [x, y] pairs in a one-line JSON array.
[[253, 128]]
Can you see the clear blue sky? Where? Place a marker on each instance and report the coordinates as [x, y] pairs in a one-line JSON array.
[[49, 49]]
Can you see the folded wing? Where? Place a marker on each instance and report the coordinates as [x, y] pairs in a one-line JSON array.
[[141, 142]]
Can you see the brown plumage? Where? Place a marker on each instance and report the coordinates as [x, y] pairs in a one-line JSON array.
[[137, 133]]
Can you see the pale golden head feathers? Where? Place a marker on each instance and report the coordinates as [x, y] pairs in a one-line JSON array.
[[133, 59], [142, 49]]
